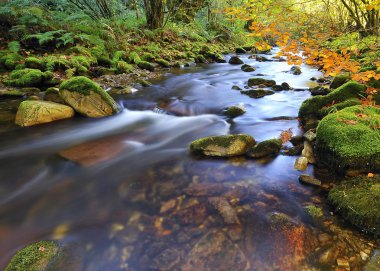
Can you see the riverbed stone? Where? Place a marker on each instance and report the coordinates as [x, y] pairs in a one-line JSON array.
[[28, 78], [308, 152], [235, 60], [34, 257], [349, 139], [215, 251], [37, 112], [301, 164], [339, 80], [307, 179], [265, 148], [374, 262], [358, 201], [257, 93], [261, 81], [87, 97], [234, 111], [247, 68], [296, 70], [223, 146]]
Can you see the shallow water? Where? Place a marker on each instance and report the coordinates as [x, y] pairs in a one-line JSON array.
[[134, 198]]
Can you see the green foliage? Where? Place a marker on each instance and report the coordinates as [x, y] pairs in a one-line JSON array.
[[133, 58], [146, 65], [14, 47], [35, 63], [27, 78], [123, 67]]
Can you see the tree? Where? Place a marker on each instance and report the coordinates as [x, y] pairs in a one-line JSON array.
[[154, 12]]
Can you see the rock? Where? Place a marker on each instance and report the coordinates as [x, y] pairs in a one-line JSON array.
[[87, 97], [143, 82], [205, 189], [262, 59], [285, 86], [236, 88], [343, 263], [11, 93], [296, 140], [310, 135], [219, 58], [223, 146], [265, 148], [277, 88], [259, 81], [319, 91], [235, 60], [36, 257], [346, 140], [234, 111], [208, 252], [52, 95], [164, 63], [225, 210], [167, 259], [37, 112], [145, 65], [328, 256], [257, 93], [301, 164], [296, 70], [339, 80], [314, 212], [240, 50], [247, 68], [374, 262], [315, 108], [192, 215], [357, 200], [122, 90], [308, 152], [28, 78], [307, 179]]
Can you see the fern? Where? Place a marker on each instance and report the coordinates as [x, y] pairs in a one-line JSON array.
[[14, 47]]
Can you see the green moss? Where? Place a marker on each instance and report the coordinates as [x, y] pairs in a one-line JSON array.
[[147, 57], [86, 86], [133, 58], [311, 108], [34, 63], [261, 81], [162, 62], [265, 148], [55, 63], [119, 56], [257, 93], [339, 106], [350, 139], [81, 61], [123, 67], [339, 80], [145, 66], [234, 111], [34, 257], [143, 82], [314, 211], [358, 201], [10, 60], [28, 78]]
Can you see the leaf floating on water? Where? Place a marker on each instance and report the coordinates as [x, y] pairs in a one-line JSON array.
[[225, 210]]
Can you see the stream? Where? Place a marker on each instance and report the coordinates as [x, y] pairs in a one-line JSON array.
[[132, 197]]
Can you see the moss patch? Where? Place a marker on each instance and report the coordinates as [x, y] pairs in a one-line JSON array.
[[28, 78], [350, 138], [261, 81], [146, 65], [358, 201], [265, 148], [34, 257], [311, 109]]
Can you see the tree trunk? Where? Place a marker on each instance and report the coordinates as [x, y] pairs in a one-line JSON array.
[[154, 12]]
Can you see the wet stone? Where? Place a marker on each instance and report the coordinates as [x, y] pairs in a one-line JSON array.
[[225, 210], [307, 179], [205, 189], [301, 164]]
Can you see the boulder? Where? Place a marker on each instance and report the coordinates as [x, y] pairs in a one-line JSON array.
[[145, 65], [36, 256], [257, 93], [301, 164], [349, 139], [87, 97], [52, 95], [265, 148], [235, 60], [37, 112], [315, 108], [339, 80], [261, 81], [223, 146], [319, 91], [296, 70], [240, 50], [307, 179], [262, 59], [247, 68], [308, 152], [357, 200], [234, 111]]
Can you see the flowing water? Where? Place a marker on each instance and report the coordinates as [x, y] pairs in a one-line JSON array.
[[132, 197]]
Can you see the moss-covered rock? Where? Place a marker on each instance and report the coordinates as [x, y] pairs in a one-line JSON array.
[[235, 60], [240, 50], [247, 68], [28, 78], [11, 93], [265, 148], [35, 63], [350, 139], [133, 58], [87, 97], [34, 257], [123, 67], [296, 70], [10, 60], [339, 80], [37, 112], [234, 111], [219, 58], [146, 65], [52, 95], [223, 146], [261, 81], [314, 212], [163, 63], [147, 57], [315, 108], [358, 201], [257, 93]]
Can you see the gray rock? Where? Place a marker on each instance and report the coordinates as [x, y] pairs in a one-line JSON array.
[[301, 164], [235, 60], [307, 179]]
